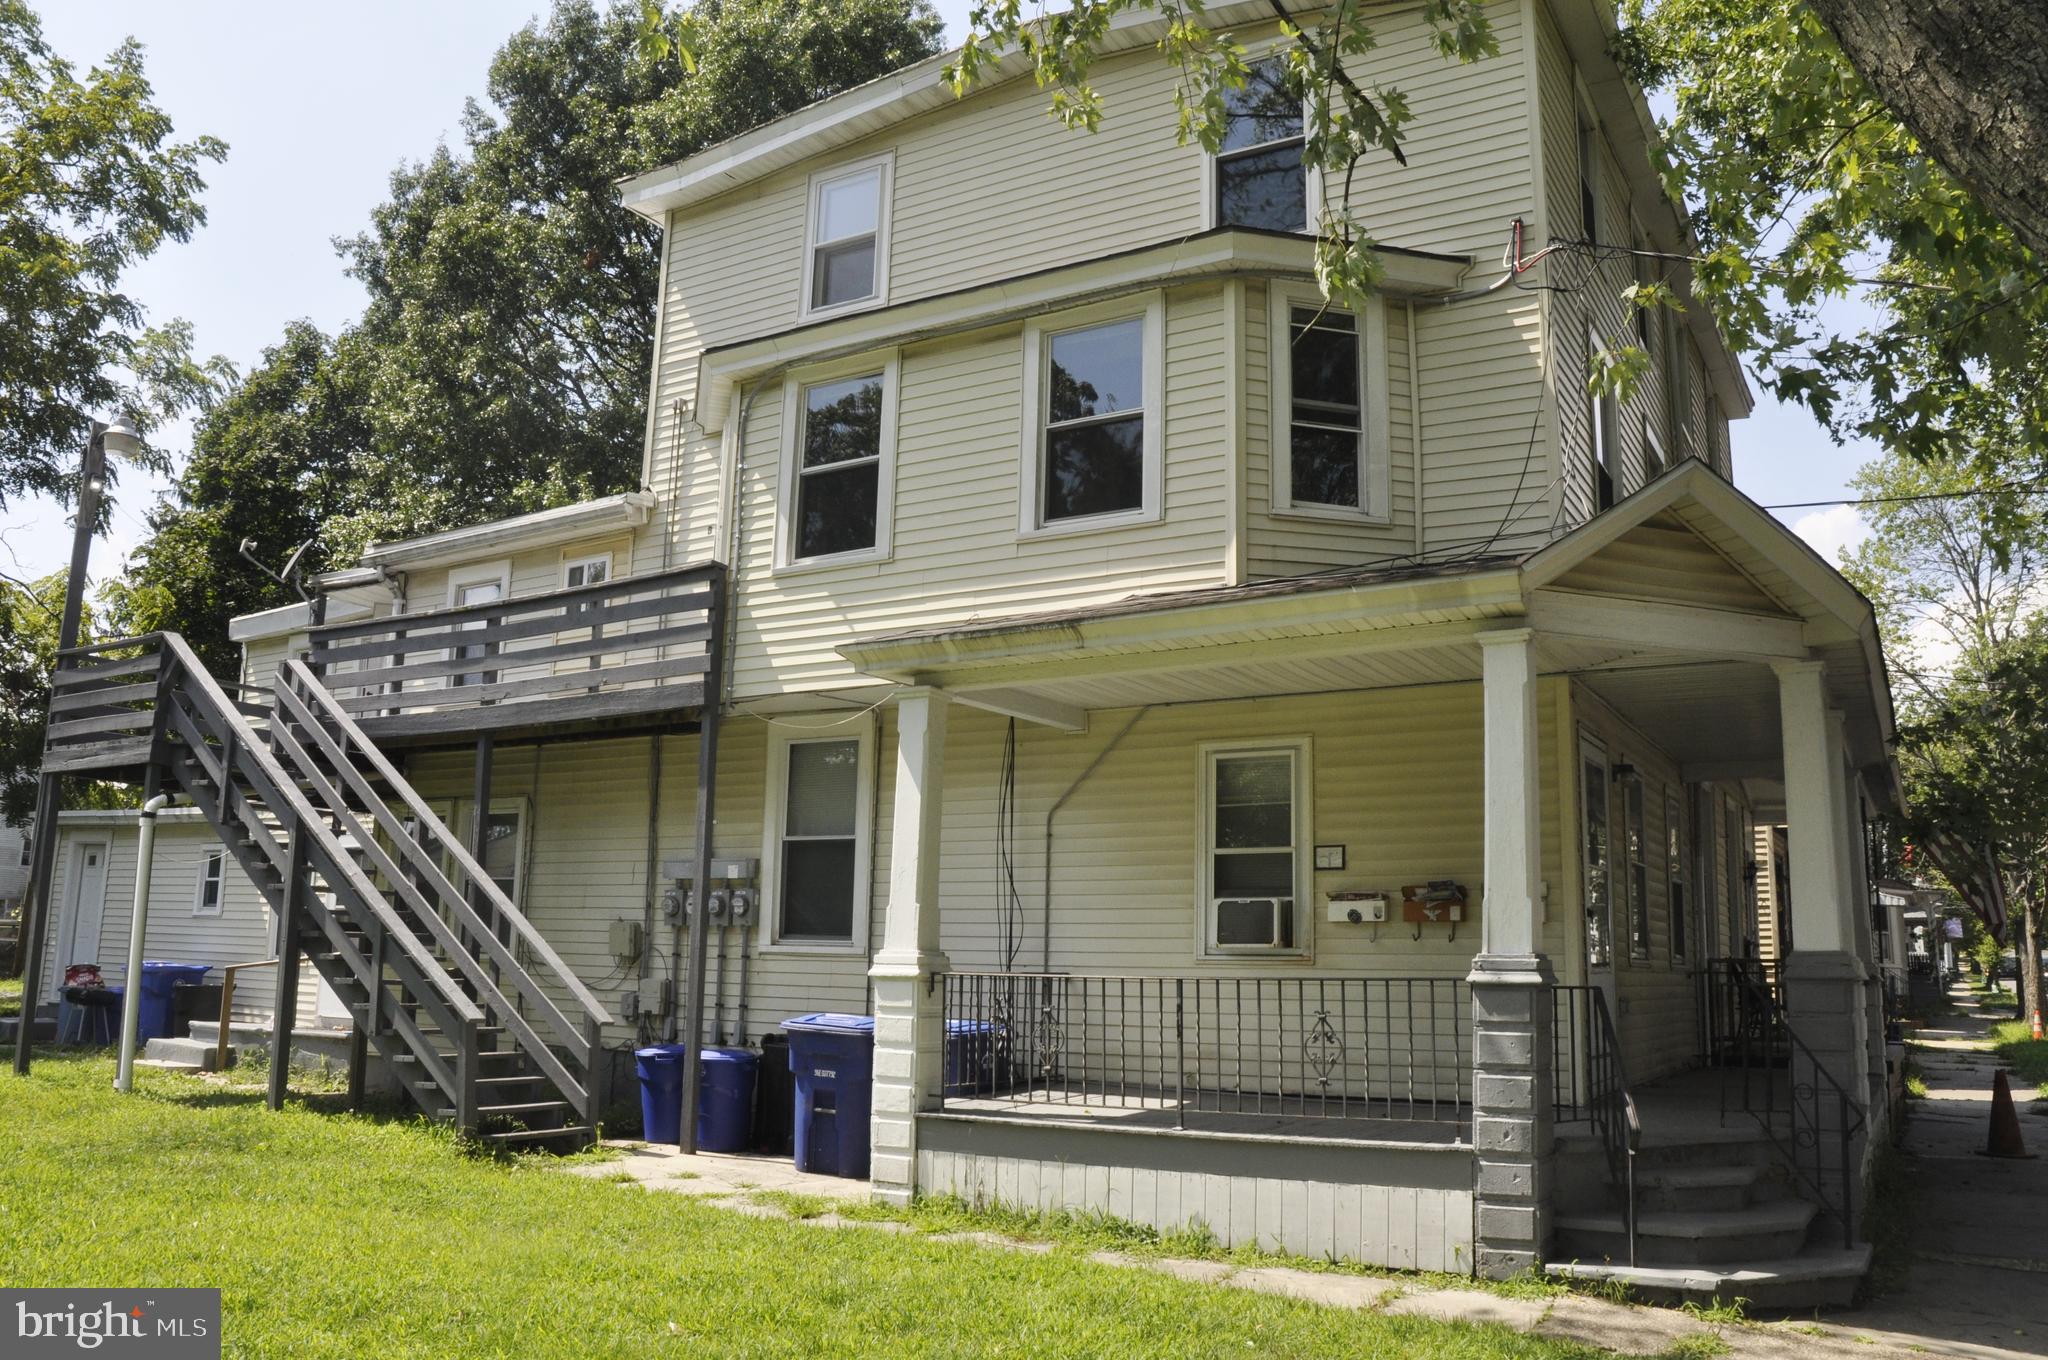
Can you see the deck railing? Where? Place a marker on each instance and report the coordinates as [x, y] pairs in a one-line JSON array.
[[1590, 1084], [1731, 1022], [627, 646], [1307, 1047]]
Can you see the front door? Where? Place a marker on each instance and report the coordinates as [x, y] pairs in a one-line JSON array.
[[462, 596], [79, 941]]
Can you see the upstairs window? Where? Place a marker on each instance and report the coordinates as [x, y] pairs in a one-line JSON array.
[[846, 255], [1261, 176], [1329, 431], [1589, 173], [1092, 439], [207, 895], [1253, 826], [1600, 427], [593, 570], [839, 465]]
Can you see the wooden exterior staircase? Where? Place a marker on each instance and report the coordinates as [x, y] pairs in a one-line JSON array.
[[446, 979]]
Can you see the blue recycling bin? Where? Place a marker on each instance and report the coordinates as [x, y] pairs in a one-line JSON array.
[[159, 980], [832, 1058], [725, 1098], [660, 1069]]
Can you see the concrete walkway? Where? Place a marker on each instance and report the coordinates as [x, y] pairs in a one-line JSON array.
[[738, 1183], [1979, 1280]]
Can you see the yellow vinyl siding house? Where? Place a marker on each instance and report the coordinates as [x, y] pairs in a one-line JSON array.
[[1261, 766]]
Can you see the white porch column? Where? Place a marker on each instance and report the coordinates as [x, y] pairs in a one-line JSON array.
[[1827, 978], [909, 1025], [1510, 978]]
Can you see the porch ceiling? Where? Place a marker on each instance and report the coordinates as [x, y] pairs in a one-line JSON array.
[[1719, 720]]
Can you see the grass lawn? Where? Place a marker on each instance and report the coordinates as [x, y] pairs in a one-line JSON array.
[[2028, 1056], [334, 1235], [10, 996]]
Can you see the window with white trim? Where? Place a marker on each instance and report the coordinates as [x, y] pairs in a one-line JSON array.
[[1635, 849], [474, 586], [817, 843], [839, 434], [847, 241], [1092, 437], [208, 892], [592, 570], [1600, 426], [1654, 461], [1261, 172], [1677, 895], [1329, 412], [503, 851], [1254, 826], [27, 846]]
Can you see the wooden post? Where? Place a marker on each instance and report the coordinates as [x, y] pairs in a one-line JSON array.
[[692, 1032], [285, 1001]]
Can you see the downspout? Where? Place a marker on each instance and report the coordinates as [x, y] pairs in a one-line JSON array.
[[1045, 914], [131, 997], [645, 964]]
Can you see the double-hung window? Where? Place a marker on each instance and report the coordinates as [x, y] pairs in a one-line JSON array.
[[1092, 431], [1254, 824], [1677, 897], [1636, 849], [1600, 426], [817, 841], [1261, 174], [1329, 416], [840, 431], [207, 893], [846, 253]]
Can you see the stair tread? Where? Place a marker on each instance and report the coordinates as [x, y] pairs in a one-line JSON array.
[[1814, 1263], [1698, 1177], [524, 1107], [540, 1135], [1787, 1215]]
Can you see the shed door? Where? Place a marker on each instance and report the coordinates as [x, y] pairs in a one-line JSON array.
[[83, 904]]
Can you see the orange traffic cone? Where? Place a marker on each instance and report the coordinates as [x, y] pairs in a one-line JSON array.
[[2005, 1138], [2038, 1035]]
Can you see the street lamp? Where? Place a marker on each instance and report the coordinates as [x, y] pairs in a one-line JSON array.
[[123, 440]]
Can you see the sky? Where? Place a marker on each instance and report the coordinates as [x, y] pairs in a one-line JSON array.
[[319, 103]]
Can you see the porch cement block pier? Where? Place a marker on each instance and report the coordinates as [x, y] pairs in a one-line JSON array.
[[1511, 1111]]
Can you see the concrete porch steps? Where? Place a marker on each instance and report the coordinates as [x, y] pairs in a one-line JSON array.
[[1813, 1278], [1774, 1230]]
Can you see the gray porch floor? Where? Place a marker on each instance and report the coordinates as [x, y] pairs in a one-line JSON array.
[[1292, 1119]]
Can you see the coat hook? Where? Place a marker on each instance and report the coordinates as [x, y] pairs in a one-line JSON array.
[[1418, 930]]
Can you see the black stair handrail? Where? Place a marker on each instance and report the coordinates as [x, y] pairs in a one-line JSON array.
[[1613, 1109], [1810, 1091], [244, 753], [301, 698]]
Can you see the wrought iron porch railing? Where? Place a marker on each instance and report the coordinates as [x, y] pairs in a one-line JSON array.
[[1728, 1021], [1809, 1116], [626, 647], [1296, 1047], [1591, 1085]]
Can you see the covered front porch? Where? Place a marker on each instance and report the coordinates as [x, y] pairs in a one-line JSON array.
[[1481, 974]]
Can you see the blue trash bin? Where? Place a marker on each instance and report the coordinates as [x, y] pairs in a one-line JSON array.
[[972, 1062], [832, 1058], [159, 979], [660, 1069], [725, 1098]]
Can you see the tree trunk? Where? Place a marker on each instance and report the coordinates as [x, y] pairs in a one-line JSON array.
[[2030, 960], [1969, 79]]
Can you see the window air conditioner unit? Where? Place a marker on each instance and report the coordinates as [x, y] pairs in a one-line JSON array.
[[1255, 923]]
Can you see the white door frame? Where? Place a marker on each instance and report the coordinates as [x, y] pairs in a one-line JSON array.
[[76, 907]]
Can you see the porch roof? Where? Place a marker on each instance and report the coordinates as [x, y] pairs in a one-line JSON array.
[[1672, 607]]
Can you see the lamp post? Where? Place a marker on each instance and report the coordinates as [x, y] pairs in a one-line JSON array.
[[123, 440]]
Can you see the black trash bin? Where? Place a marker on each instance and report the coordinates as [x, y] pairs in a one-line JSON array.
[[775, 1099]]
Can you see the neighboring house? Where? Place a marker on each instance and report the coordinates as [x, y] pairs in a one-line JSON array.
[[203, 908], [14, 849], [1308, 761]]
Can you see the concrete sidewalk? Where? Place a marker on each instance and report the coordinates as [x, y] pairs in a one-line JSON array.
[[1979, 1281]]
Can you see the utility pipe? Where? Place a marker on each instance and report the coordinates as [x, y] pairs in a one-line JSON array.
[[1045, 948], [131, 998]]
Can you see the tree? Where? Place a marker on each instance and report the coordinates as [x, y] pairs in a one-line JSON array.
[[1963, 627], [1967, 78], [501, 363], [1804, 188], [90, 182]]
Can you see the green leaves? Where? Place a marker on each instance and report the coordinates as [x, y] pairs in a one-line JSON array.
[[90, 183]]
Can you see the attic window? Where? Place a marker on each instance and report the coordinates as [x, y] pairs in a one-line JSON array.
[[1261, 176], [846, 255]]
